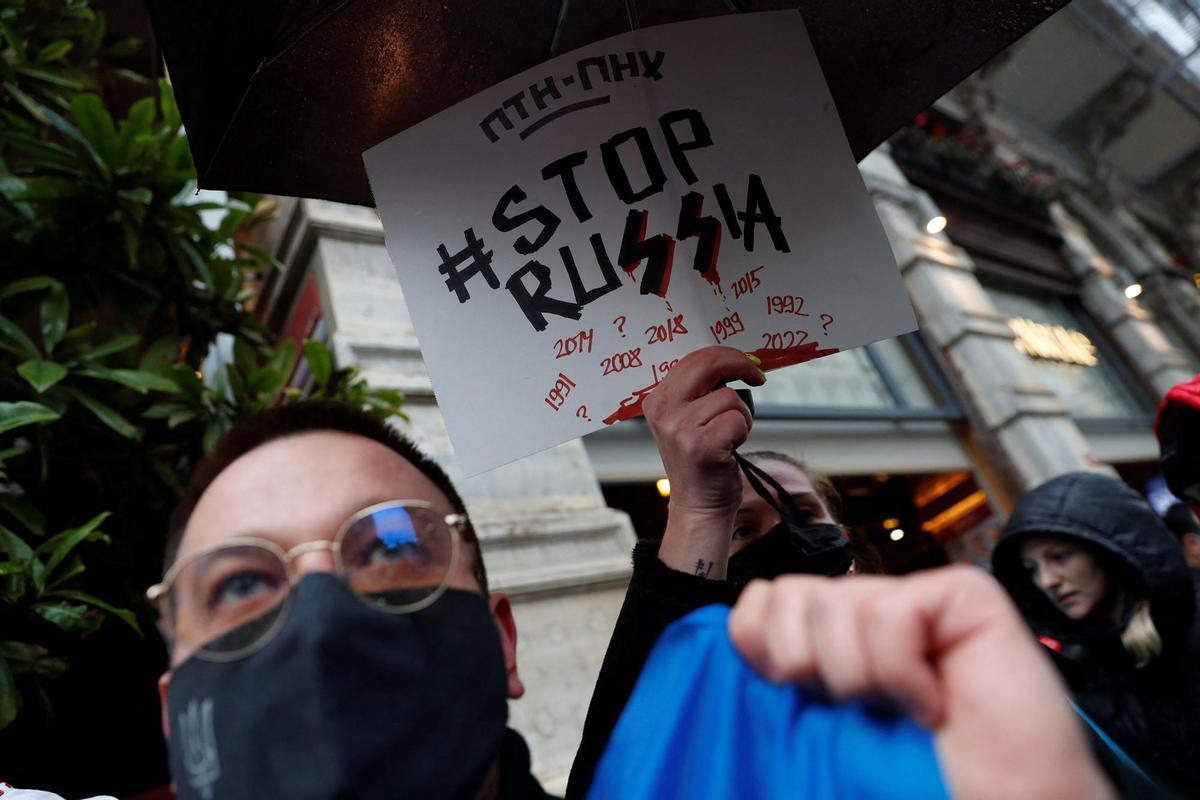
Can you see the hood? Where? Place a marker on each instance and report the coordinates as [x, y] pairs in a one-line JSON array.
[[1115, 519], [1178, 430]]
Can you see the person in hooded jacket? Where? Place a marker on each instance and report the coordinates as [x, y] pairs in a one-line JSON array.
[[731, 519], [1102, 583]]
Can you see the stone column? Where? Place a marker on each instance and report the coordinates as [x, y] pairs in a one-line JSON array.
[[1145, 348], [1022, 429], [549, 540], [1167, 291]]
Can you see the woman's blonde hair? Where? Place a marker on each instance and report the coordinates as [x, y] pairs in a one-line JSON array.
[[1140, 637]]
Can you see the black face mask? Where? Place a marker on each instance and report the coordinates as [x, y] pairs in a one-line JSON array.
[[789, 547], [345, 702]]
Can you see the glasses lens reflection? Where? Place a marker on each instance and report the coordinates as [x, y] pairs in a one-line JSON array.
[[397, 556]]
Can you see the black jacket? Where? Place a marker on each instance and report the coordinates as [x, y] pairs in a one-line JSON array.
[[516, 780], [657, 596], [1153, 712]]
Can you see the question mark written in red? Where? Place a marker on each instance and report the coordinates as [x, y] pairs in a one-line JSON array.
[[581, 412], [826, 321], [620, 323]]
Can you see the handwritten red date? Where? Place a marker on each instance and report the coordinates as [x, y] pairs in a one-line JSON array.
[[667, 331], [659, 371], [557, 396], [785, 340], [579, 343], [747, 283], [726, 327], [786, 304], [622, 361]]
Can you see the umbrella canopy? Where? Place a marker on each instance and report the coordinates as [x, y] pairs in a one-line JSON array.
[[283, 96]]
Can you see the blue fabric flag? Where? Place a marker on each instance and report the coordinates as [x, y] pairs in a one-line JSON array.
[[703, 725]]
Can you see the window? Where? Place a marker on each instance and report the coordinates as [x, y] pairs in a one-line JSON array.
[[892, 378], [1069, 353]]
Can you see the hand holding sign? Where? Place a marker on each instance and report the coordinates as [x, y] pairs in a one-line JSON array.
[[698, 422], [566, 237]]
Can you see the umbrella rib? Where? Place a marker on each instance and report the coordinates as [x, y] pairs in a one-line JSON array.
[[266, 62], [312, 26], [563, 9], [232, 119]]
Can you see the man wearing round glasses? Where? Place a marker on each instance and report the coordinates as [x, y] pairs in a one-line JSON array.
[[330, 628]]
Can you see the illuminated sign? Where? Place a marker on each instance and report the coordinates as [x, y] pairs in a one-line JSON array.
[[1053, 342]]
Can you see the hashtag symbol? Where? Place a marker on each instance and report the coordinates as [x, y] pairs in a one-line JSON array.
[[480, 262]]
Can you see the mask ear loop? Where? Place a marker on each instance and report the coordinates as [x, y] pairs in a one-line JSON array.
[[785, 506]]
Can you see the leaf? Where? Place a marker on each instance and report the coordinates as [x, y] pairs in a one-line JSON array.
[[166, 100], [319, 360], [48, 188], [70, 568], [125, 48], [60, 124], [180, 417], [160, 354], [17, 342], [140, 195], [10, 698], [136, 123], [41, 375], [69, 617], [263, 256], [215, 430], [283, 360], [56, 312], [33, 284], [29, 658], [122, 614], [14, 40], [55, 78], [24, 412], [14, 545], [11, 567], [25, 512], [53, 51], [35, 109], [114, 345], [96, 124], [60, 546], [164, 410], [140, 381], [107, 415], [244, 356], [265, 382]]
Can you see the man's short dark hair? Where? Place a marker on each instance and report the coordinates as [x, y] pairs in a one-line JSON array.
[[309, 416]]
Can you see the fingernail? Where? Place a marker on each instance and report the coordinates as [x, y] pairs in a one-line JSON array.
[[764, 375], [755, 360]]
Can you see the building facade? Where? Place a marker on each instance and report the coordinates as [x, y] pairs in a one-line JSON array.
[[1050, 268]]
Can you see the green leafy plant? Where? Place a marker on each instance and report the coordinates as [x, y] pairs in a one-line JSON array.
[[119, 288]]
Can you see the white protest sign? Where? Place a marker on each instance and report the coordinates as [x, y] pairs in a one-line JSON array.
[[564, 237]]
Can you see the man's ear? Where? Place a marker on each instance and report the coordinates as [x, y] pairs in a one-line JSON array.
[[164, 682], [502, 613]]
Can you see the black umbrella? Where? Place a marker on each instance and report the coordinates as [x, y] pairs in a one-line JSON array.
[[283, 96]]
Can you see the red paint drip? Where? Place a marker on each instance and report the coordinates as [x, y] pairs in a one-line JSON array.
[[776, 357], [771, 358], [630, 407]]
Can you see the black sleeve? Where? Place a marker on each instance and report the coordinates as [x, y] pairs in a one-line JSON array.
[[657, 596]]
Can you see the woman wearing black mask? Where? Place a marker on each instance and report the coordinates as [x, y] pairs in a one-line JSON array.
[[730, 519]]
